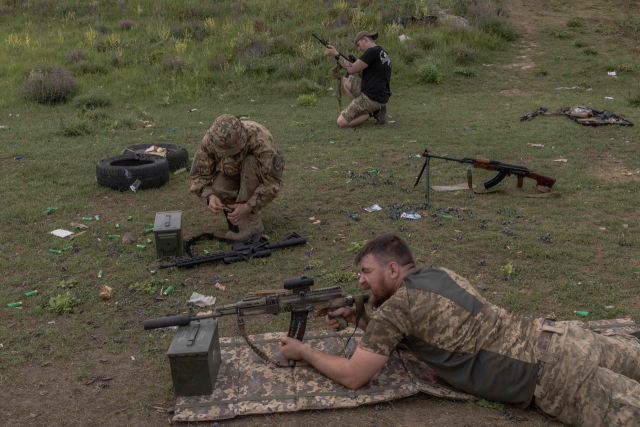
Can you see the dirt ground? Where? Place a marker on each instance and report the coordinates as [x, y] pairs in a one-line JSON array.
[[112, 399]]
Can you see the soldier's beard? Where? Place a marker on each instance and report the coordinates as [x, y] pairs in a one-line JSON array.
[[380, 296]]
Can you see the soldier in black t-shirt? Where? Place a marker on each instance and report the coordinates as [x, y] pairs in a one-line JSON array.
[[369, 98]]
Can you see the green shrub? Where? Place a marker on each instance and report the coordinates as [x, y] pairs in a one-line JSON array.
[[93, 100], [540, 73], [409, 52], [86, 67], [426, 41], [463, 54], [500, 27], [428, 73], [464, 71], [190, 30], [75, 127], [579, 44], [47, 85], [307, 100], [575, 22], [356, 246], [634, 101], [590, 51], [280, 45], [561, 34], [64, 303]]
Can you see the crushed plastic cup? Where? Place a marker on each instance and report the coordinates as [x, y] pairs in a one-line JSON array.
[[410, 216]]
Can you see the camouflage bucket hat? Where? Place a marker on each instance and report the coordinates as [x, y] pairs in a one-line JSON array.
[[226, 134], [362, 34]]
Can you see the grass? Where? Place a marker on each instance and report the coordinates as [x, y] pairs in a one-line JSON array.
[[231, 70]]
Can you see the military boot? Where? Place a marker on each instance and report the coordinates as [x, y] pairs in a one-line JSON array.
[[252, 224], [380, 115]]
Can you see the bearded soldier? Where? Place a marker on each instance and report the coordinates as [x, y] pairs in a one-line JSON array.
[[237, 170], [573, 374]]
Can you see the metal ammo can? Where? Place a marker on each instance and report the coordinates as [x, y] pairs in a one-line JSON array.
[[168, 231], [194, 356]]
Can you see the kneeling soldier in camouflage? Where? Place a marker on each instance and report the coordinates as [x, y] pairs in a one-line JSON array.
[[572, 374], [237, 170]]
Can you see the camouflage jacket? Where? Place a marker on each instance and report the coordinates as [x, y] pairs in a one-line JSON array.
[[259, 142], [472, 344]]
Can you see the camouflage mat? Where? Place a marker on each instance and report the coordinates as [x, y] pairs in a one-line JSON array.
[[247, 385]]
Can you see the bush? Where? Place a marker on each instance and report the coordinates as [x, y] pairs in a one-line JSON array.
[[86, 67], [500, 27], [47, 85], [635, 101], [190, 30], [63, 303], [217, 64], [426, 41], [428, 73], [125, 24], [118, 59], [579, 44], [175, 63], [75, 127], [463, 54], [575, 22], [93, 100], [75, 55], [307, 100], [590, 51], [280, 45], [409, 52], [540, 73], [464, 71]]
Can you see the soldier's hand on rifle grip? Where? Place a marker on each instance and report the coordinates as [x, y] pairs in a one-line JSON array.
[[215, 205], [349, 314], [330, 51]]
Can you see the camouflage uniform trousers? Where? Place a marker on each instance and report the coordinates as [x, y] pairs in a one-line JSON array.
[[360, 104], [240, 189], [590, 380]]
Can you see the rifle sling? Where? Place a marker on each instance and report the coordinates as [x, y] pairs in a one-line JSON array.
[[544, 191]]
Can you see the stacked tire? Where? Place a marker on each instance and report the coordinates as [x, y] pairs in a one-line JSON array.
[[177, 155], [120, 172]]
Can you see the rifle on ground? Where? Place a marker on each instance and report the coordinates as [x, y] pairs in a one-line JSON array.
[[543, 182], [337, 68], [258, 247], [299, 302]]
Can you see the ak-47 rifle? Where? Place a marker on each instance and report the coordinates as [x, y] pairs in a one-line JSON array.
[[337, 68], [299, 302], [258, 247], [503, 169]]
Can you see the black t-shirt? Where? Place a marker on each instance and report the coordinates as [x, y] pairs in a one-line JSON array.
[[376, 77]]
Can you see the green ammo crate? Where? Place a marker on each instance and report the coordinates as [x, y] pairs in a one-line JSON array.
[[194, 357], [168, 231]]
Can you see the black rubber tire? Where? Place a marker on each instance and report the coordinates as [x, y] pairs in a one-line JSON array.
[[119, 172], [177, 155]]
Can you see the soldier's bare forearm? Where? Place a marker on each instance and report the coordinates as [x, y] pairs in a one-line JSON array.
[[344, 63]]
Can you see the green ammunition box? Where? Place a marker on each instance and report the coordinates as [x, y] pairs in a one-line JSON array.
[[168, 231], [194, 357]]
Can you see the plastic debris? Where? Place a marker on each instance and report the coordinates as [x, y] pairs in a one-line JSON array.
[[611, 73], [149, 241], [447, 216], [113, 236], [608, 97], [50, 210], [30, 294], [106, 292], [15, 304], [142, 246], [148, 230], [54, 251], [535, 145], [117, 225], [219, 286], [62, 233], [168, 290], [201, 300], [192, 110], [581, 313], [135, 186], [608, 307], [561, 160], [373, 208], [206, 252], [392, 121], [129, 218], [87, 219], [100, 274], [410, 216], [97, 217], [411, 156], [403, 38]]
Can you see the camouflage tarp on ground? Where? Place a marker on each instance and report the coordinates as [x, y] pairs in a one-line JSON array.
[[247, 385]]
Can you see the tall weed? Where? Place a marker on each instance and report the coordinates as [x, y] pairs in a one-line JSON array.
[[47, 85]]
